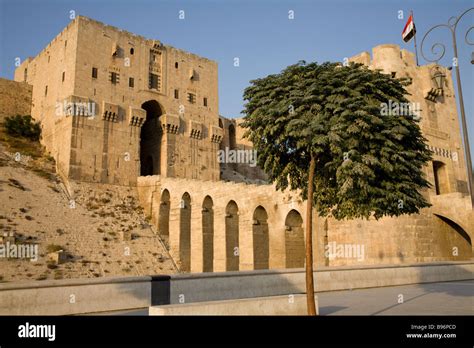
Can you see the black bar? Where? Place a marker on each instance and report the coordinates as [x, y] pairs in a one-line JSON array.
[[160, 290], [137, 331]]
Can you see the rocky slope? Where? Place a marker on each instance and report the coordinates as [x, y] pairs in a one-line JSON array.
[[101, 228]]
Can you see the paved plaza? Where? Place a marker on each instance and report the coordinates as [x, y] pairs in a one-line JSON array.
[[443, 298]]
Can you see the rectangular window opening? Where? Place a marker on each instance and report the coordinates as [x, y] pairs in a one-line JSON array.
[[114, 77], [191, 98], [154, 81]]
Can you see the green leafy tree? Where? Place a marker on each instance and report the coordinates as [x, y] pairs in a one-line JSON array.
[[23, 126], [320, 129]]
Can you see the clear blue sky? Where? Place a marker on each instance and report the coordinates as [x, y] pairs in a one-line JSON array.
[[257, 31]]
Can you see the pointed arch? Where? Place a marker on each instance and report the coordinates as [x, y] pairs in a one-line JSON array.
[[294, 240], [261, 247], [185, 232], [150, 139], [207, 234], [232, 236]]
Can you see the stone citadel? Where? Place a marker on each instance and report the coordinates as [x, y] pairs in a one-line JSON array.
[[117, 108]]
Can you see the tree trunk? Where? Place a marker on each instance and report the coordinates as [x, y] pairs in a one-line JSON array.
[[309, 240]]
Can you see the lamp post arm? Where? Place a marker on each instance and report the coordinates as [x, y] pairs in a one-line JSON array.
[[435, 45], [460, 16]]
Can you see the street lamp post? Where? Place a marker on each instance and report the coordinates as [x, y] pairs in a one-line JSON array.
[[452, 25]]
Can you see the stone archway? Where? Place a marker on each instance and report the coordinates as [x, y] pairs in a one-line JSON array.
[[261, 248], [185, 232], [150, 139], [294, 240], [207, 235], [453, 242], [232, 236]]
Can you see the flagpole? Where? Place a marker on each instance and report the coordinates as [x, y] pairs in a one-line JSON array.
[[414, 37]]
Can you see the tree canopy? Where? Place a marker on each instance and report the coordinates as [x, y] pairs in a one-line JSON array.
[[367, 163]]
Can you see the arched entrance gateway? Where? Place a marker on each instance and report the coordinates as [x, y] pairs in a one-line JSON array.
[[294, 240], [150, 139]]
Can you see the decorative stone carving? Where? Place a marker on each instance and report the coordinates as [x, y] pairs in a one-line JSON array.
[[110, 111], [136, 116], [440, 151], [195, 129], [170, 123], [217, 134]]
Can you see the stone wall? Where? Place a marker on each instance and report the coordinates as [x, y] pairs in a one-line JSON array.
[[268, 229], [422, 237], [253, 226], [51, 73], [52, 297], [15, 98]]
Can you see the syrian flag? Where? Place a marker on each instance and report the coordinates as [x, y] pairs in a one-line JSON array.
[[409, 31]]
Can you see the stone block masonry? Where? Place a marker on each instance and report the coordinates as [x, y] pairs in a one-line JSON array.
[[15, 98]]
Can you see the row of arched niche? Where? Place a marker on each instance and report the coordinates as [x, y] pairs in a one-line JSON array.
[[293, 229]]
